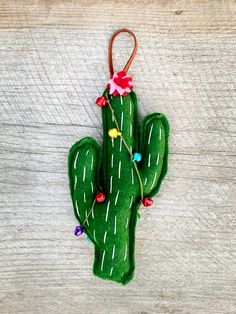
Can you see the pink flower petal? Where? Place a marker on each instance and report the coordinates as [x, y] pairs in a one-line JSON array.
[[124, 80]]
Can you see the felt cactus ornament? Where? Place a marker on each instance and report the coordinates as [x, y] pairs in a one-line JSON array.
[[109, 184]]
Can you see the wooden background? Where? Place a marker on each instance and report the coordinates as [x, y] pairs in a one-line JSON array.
[[53, 65]]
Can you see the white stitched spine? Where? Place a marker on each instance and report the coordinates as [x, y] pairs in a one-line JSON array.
[[121, 100], [111, 178], [149, 160], [117, 195], [127, 221], [160, 134], [84, 174], [130, 107], [131, 201], [121, 120], [130, 130], [108, 206], [94, 235], [112, 161], [111, 271], [113, 251], [157, 162], [120, 144], [92, 163], [92, 213], [105, 236], [76, 160], [92, 187], [119, 169], [75, 182], [115, 226], [145, 181], [154, 180], [87, 152], [86, 217], [126, 248], [84, 197], [112, 141], [103, 256], [150, 134]]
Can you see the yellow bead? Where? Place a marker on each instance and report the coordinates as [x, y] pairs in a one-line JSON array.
[[114, 133]]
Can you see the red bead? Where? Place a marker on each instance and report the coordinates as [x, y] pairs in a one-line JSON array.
[[100, 197], [147, 201], [101, 101]]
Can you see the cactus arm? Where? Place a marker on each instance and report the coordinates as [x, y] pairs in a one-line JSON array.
[[83, 167], [154, 148]]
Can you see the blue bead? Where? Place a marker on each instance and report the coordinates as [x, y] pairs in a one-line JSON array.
[[137, 157]]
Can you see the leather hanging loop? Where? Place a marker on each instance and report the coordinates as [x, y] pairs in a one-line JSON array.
[[128, 64]]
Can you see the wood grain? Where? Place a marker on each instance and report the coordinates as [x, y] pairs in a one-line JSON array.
[[53, 65]]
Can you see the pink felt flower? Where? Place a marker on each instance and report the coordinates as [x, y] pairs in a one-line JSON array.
[[120, 84]]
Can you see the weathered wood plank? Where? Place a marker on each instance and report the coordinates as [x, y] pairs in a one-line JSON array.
[[53, 65]]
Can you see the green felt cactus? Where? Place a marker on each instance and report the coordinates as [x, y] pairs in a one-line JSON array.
[[111, 224], [127, 170]]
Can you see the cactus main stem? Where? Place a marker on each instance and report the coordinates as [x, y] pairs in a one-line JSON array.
[[117, 261]]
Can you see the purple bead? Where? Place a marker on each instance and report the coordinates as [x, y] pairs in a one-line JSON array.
[[78, 231]]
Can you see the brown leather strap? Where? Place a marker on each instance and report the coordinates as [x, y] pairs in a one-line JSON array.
[[128, 64]]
